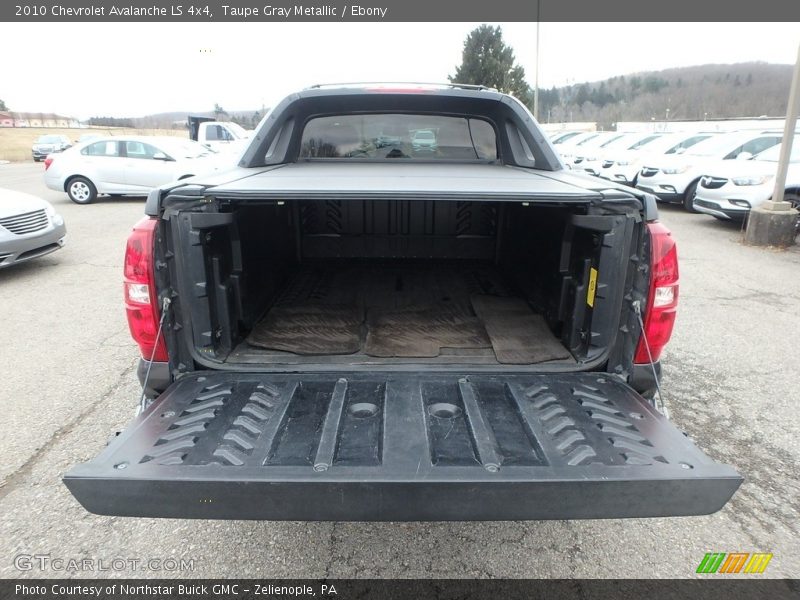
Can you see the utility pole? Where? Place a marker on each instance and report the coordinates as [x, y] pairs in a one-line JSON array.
[[536, 72], [773, 223], [788, 133]]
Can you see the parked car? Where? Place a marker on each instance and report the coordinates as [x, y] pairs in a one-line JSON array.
[[675, 178], [329, 335], [126, 165], [49, 144], [731, 188], [29, 228], [562, 136], [565, 148], [581, 152], [569, 149], [424, 139], [596, 163], [626, 164]]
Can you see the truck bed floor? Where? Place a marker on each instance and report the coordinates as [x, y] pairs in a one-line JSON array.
[[404, 311]]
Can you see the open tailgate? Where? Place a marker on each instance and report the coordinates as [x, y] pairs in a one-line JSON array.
[[401, 446]]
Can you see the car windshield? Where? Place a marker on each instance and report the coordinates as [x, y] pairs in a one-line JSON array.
[[668, 144], [716, 146], [185, 149], [601, 140], [644, 141], [49, 139], [587, 139], [560, 138], [612, 140], [630, 141], [406, 136], [237, 130], [773, 154]]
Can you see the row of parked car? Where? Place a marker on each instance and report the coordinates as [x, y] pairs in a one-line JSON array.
[[720, 174]]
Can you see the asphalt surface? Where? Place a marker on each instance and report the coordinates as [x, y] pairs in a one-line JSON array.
[[68, 382]]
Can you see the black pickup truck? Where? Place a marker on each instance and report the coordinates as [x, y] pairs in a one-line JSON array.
[[353, 325]]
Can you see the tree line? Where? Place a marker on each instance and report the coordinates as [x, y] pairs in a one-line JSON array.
[[697, 93]]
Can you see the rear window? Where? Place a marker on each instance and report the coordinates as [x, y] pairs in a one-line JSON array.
[[403, 136]]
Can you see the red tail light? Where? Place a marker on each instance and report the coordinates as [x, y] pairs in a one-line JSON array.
[[141, 301], [662, 300], [47, 162]]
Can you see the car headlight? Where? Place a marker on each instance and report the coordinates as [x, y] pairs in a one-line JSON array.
[[676, 170], [753, 180]]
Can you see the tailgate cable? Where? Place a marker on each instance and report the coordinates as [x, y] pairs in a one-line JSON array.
[[144, 402], [662, 407]]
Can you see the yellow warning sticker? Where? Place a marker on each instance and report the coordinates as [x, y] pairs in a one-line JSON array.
[[592, 287]]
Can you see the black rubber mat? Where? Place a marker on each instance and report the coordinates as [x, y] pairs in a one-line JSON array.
[[518, 335], [404, 311], [423, 333], [310, 329], [388, 310]]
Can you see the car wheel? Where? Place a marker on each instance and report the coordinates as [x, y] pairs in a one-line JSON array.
[[688, 197], [81, 191]]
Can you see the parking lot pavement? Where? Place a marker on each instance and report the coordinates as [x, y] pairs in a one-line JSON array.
[[68, 383]]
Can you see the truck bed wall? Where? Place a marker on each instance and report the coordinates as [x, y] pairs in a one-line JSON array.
[[241, 260]]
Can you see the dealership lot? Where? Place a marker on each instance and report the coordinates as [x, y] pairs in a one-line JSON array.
[[69, 383]]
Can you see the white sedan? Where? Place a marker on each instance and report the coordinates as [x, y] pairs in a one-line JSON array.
[[120, 166]]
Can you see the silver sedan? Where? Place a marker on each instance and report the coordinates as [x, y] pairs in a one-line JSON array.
[[29, 227]]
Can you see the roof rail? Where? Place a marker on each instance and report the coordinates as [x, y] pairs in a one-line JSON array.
[[464, 86]]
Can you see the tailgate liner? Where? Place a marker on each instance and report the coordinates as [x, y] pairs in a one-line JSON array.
[[401, 447]]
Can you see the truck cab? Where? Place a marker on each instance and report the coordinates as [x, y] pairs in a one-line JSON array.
[[221, 136]]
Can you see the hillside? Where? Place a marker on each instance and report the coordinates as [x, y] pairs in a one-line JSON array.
[[177, 119], [704, 91]]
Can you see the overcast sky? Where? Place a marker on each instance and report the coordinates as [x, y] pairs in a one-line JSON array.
[[120, 69]]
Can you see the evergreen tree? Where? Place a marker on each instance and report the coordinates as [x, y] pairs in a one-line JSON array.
[[219, 112], [488, 61]]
